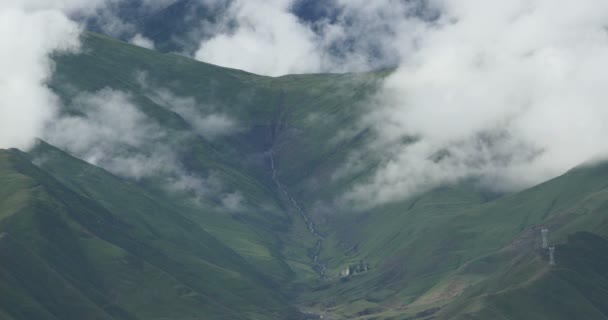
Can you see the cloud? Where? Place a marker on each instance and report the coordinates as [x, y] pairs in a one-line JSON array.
[[268, 40], [510, 93], [108, 130], [28, 38], [368, 35], [112, 133], [205, 119], [269, 37], [142, 41], [234, 202], [262, 36]]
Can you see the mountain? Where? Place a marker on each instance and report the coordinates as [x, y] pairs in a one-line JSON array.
[[238, 222], [75, 257]]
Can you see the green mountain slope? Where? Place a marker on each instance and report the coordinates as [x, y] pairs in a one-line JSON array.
[[255, 232], [482, 261], [576, 288], [76, 257], [276, 116]]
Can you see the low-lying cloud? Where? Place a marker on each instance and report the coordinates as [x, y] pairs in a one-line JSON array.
[[267, 37], [110, 131], [510, 93], [142, 41], [28, 40], [205, 119], [507, 93]]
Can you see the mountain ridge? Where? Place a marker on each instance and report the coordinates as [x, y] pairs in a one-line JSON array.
[[137, 249]]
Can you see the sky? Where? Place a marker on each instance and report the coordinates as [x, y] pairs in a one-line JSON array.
[[508, 92]]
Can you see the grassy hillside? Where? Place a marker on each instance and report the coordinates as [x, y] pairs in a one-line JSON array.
[[275, 114], [260, 238], [479, 261], [77, 255]]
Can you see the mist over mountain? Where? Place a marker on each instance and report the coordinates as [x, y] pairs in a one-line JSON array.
[[303, 159]]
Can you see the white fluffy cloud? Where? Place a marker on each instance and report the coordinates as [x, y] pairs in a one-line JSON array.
[[267, 37], [268, 40], [206, 120], [509, 92], [142, 41], [111, 132], [28, 37]]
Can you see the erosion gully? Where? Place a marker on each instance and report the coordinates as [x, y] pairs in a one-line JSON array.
[[318, 265]]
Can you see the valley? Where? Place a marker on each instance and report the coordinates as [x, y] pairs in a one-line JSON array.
[[244, 222]]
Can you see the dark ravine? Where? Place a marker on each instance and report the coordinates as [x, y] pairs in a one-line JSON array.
[[318, 265]]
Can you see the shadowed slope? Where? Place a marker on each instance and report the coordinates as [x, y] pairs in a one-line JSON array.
[[117, 255]]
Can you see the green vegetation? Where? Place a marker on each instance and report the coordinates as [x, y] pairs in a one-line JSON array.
[[78, 242]]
